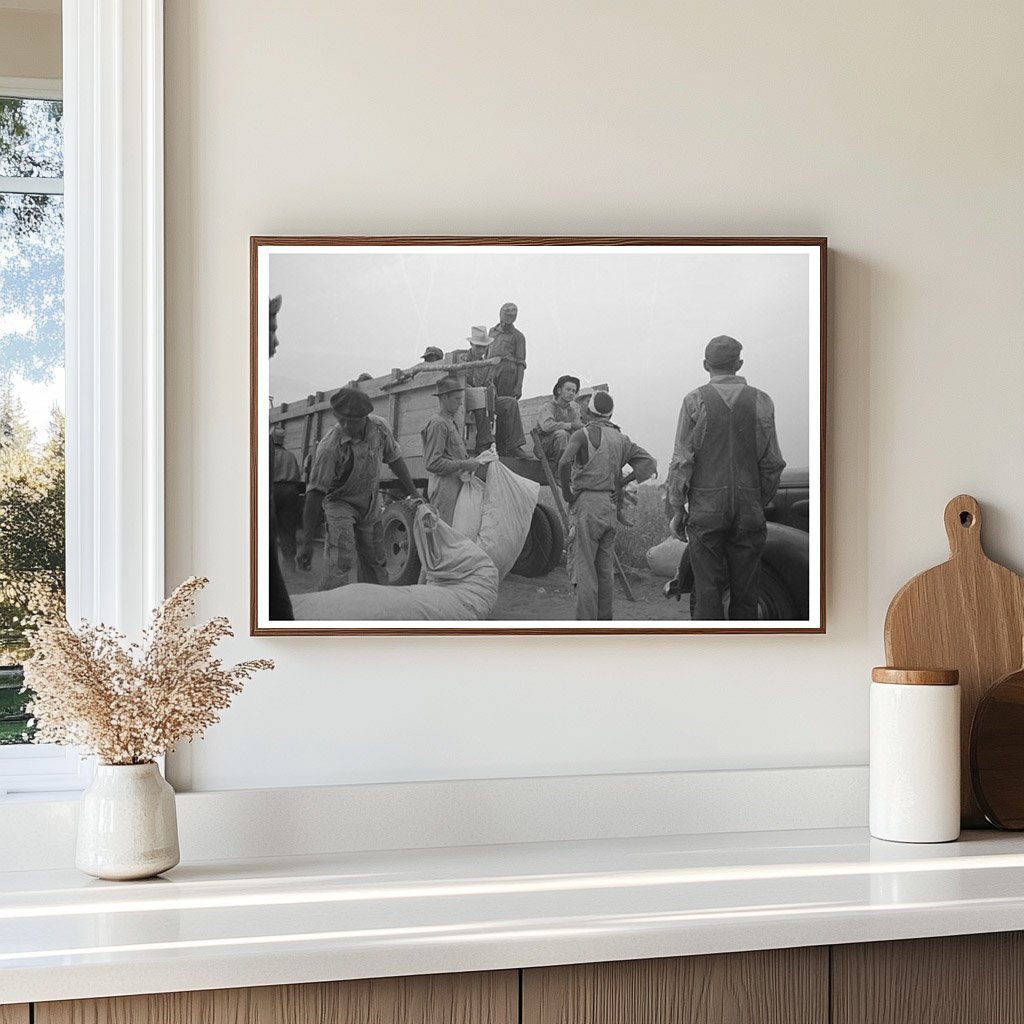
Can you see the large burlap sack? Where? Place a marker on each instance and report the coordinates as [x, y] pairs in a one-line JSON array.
[[461, 584], [497, 514]]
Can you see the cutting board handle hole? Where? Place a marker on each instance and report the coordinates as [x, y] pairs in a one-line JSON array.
[[966, 519]]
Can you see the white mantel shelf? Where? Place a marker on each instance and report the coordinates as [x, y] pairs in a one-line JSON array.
[[225, 924]]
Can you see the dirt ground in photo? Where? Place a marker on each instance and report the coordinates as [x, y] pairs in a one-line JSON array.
[[548, 598]]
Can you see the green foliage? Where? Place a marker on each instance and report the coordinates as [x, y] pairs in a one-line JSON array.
[[14, 719], [31, 524], [31, 138]]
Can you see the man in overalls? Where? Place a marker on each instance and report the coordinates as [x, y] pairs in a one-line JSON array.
[[344, 483], [590, 470], [725, 469]]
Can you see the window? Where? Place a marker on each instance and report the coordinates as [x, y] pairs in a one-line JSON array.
[[113, 335], [32, 535]]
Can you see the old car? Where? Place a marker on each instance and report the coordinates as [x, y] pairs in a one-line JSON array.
[[785, 564]]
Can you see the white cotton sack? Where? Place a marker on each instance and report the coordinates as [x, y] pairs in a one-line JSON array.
[[505, 515], [462, 584]]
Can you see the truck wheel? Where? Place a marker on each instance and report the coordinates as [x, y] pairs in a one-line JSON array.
[[400, 554], [533, 559], [557, 538], [776, 602]]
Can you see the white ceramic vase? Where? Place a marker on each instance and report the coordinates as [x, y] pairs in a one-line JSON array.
[[127, 825]]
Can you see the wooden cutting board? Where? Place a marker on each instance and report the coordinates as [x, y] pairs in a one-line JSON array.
[[967, 614]]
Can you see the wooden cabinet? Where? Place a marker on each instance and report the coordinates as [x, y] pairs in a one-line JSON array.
[[972, 979], [491, 998], [963, 979], [777, 986]]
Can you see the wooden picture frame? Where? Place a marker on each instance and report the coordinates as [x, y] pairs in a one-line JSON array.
[[634, 317]]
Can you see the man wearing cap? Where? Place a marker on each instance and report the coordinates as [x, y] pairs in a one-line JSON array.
[[287, 493], [432, 354], [725, 469], [590, 470], [444, 450], [560, 418], [344, 482]]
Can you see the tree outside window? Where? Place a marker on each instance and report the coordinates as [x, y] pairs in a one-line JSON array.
[[31, 385]]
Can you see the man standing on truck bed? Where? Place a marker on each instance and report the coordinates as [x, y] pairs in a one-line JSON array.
[[591, 474], [344, 483], [480, 377], [444, 450], [725, 469], [509, 344]]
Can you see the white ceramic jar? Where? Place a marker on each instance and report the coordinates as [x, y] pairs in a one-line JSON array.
[[915, 755], [127, 823]]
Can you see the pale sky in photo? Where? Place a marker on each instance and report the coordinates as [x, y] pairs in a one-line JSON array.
[[635, 320]]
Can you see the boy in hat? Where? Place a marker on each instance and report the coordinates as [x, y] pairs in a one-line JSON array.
[[725, 469], [444, 450], [560, 418], [591, 473], [344, 482], [480, 377]]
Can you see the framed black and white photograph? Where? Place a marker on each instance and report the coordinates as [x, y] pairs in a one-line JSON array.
[[537, 435]]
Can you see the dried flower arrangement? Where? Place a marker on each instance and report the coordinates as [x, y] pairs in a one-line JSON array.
[[129, 704]]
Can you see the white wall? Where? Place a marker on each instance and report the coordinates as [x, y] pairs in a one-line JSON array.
[[894, 129]]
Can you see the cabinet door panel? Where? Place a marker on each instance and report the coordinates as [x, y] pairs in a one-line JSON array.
[[482, 998], [14, 1014], [962, 979], [778, 986]]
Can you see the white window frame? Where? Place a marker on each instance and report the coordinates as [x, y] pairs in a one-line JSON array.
[[114, 335]]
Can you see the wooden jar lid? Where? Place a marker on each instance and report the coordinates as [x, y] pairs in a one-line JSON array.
[[916, 676]]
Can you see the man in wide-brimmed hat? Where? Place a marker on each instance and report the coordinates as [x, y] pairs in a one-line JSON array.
[[444, 450], [725, 469], [344, 483], [480, 377], [498, 421], [559, 418]]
